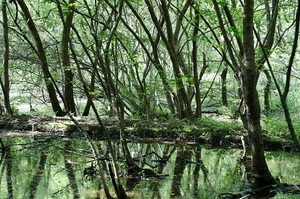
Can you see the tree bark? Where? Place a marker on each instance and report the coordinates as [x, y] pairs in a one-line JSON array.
[[183, 104], [262, 175], [68, 72], [5, 84], [283, 97], [267, 89], [155, 60], [271, 17], [224, 87], [195, 62], [92, 89]]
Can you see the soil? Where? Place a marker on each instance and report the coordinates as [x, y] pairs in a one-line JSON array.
[[141, 130]]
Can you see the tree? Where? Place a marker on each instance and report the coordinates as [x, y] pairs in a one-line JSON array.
[[195, 61], [283, 94], [5, 85], [249, 75], [40, 51], [65, 55], [171, 40], [153, 54], [68, 71]]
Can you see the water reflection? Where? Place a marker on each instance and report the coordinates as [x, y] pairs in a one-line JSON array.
[[69, 169], [59, 167]]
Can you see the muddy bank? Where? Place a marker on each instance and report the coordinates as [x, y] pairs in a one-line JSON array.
[[137, 130]]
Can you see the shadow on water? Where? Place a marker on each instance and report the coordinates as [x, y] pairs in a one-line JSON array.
[[60, 167]]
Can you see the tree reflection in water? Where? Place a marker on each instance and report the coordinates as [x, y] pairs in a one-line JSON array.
[[70, 170], [38, 174], [47, 168], [8, 161]]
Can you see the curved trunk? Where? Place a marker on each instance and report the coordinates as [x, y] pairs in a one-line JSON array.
[[42, 56], [289, 122], [262, 175]]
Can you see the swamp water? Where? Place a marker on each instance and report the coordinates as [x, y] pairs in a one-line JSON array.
[[59, 167]]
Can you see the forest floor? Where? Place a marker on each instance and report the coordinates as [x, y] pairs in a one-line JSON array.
[[217, 132]]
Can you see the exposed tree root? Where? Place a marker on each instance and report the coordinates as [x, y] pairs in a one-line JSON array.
[[264, 192]]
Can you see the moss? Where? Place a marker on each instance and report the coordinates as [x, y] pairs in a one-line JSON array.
[[216, 131]]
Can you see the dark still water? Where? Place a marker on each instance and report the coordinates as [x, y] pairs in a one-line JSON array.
[[59, 167]]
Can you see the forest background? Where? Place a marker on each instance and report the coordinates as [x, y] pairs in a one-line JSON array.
[[150, 60]]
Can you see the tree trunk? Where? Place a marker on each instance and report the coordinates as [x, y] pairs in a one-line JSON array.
[[68, 72], [92, 89], [262, 175], [289, 122], [266, 47], [224, 88], [267, 92], [182, 101], [42, 56], [156, 59], [92, 146], [5, 84], [284, 96], [195, 62]]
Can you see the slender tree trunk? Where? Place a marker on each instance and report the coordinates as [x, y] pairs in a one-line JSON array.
[[92, 88], [68, 72], [156, 59], [195, 62], [42, 56], [182, 101], [224, 88], [290, 123], [167, 89], [261, 171], [92, 146], [271, 17], [113, 86], [284, 96], [265, 49], [267, 92], [5, 84]]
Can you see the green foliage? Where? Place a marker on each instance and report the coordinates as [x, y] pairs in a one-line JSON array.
[[95, 94], [285, 196], [208, 124], [132, 56], [207, 128], [42, 111], [227, 111], [275, 127]]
